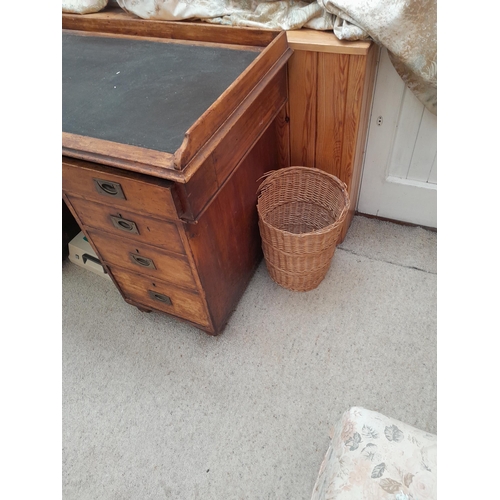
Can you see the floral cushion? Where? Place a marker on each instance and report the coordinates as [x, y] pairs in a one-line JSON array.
[[373, 457]]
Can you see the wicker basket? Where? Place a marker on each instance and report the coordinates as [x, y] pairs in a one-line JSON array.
[[301, 211]]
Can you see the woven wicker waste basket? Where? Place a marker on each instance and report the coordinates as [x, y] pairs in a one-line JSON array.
[[301, 212]]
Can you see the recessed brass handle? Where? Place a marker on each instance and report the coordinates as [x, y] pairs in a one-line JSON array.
[[142, 261], [109, 188], [124, 224], [160, 297]]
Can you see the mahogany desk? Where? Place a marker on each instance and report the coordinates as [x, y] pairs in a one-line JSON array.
[[167, 129]]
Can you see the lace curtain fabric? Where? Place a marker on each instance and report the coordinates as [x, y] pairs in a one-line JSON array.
[[407, 28]]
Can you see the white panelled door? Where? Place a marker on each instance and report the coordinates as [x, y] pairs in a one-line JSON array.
[[400, 169]]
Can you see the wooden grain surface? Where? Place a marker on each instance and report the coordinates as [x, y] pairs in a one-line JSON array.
[[151, 231], [352, 117], [130, 157], [116, 20], [302, 90], [330, 94], [325, 41], [333, 77], [185, 304], [146, 195], [364, 117], [282, 124], [169, 267], [225, 243]]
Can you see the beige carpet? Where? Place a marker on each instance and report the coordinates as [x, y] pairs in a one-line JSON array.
[[155, 409]]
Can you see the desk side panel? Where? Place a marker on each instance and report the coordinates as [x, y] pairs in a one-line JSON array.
[[225, 242]]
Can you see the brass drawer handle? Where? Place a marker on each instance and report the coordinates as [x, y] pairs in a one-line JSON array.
[[124, 224], [142, 261], [109, 188], [160, 297]]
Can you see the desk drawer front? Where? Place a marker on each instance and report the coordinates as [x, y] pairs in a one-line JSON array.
[[119, 222], [120, 189], [162, 296], [144, 259]]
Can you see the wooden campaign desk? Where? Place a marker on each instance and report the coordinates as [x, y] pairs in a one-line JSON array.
[[165, 136]]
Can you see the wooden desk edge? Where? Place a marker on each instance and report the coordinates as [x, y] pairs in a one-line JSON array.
[[325, 41], [303, 39]]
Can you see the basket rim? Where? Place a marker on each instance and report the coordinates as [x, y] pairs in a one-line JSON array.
[[273, 174]]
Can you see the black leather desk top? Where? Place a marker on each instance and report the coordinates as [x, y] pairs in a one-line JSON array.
[[139, 92]]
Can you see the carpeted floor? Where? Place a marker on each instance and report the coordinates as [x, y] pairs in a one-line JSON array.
[[156, 409]]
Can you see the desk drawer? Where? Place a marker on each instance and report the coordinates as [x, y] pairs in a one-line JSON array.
[[119, 188], [155, 232], [156, 294], [143, 259]]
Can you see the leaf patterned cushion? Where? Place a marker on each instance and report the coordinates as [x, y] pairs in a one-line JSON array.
[[374, 457]]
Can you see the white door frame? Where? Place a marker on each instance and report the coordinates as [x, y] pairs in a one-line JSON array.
[[391, 188]]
